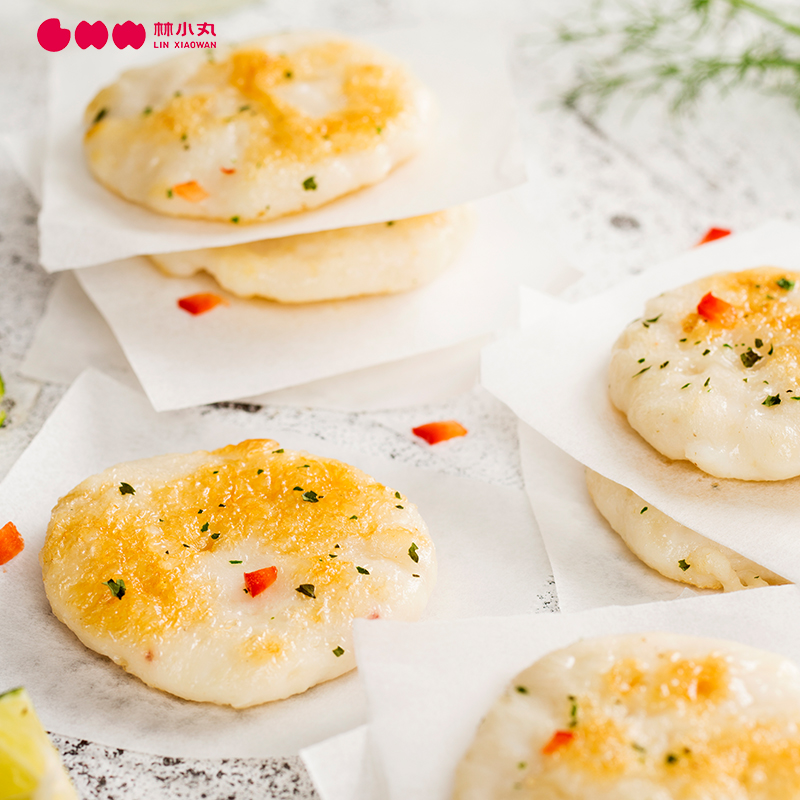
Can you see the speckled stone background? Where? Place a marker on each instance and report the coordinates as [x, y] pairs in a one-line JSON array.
[[618, 191]]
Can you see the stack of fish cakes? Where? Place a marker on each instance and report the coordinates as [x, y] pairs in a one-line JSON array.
[[279, 125], [710, 375]]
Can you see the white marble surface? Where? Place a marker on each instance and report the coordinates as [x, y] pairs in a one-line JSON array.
[[617, 194]]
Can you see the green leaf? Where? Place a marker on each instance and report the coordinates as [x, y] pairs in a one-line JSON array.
[[683, 565], [117, 587], [412, 553], [307, 589], [311, 496], [126, 488], [772, 400], [338, 652], [785, 283], [362, 570], [309, 184]]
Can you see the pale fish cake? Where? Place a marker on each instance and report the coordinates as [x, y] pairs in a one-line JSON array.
[[711, 374], [383, 258], [146, 561], [670, 548], [642, 717], [249, 133]]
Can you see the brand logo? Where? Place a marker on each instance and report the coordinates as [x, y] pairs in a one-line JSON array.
[[53, 37]]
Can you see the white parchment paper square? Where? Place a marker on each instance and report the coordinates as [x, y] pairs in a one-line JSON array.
[[553, 374], [429, 685], [255, 346], [475, 527], [475, 151]]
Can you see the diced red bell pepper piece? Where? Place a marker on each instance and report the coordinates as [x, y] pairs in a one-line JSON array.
[[11, 543], [713, 309], [200, 303], [712, 234], [435, 432], [560, 738], [256, 582], [191, 191]]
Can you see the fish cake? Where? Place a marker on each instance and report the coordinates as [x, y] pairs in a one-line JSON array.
[[383, 258], [651, 716], [670, 548], [270, 127], [233, 576], [711, 374]]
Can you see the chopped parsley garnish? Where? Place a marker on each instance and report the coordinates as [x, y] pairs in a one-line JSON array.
[[641, 371], [573, 710], [412, 553], [312, 497], [522, 689], [640, 361], [644, 509], [259, 471], [784, 283], [117, 587], [184, 137], [355, 516], [414, 575], [169, 192], [215, 472], [309, 184], [378, 129], [338, 652], [362, 571], [221, 505], [706, 352], [100, 114], [278, 451], [204, 528], [398, 506], [772, 400], [333, 555], [199, 510], [234, 562], [184, 544], [215, 536], [287, 74], [648, 322], [297, 489], [759, 343], [771, 350], [685, 385], [671, 758], [522, 765], [683, 565], [750, 357], [126, 488], [244, 108], [728, 346], [638, 748], [664, 365], [708, 380], [397, 495], [307, 589], [234, 219], [681, 340]]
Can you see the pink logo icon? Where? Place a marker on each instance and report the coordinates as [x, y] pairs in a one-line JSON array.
[[129, 33], [52, 36], [95, 35]]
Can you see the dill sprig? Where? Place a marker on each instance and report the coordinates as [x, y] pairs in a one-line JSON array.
[[682, 48]]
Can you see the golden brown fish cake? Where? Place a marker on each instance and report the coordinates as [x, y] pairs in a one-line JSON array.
[[670, 548], [711, 374], [383, 258], [145, 562], [642, 717], [249, 133]]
